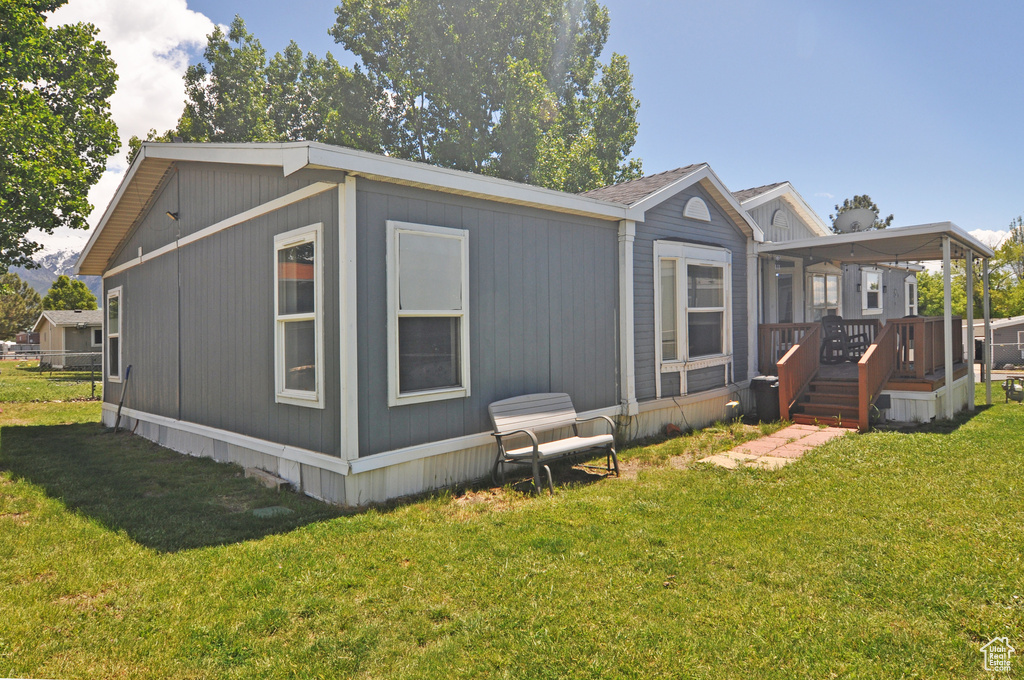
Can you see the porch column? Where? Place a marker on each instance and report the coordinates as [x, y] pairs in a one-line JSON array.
[[753, 309], [947, 308], [987, 357], [970, 330], [627, 367]]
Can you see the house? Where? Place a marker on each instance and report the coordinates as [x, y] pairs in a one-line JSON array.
[[342, 319], [1006, 338], [71, 338], [794, 293]]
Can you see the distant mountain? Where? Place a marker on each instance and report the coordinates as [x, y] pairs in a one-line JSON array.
[[52, 265]]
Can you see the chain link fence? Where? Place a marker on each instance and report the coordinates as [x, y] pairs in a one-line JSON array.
[[1007, 356]]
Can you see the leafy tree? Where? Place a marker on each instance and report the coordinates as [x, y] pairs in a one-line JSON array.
[[20, 305], [237, 96], [512, 89], [861, 202], [56, 131], [68, 293]]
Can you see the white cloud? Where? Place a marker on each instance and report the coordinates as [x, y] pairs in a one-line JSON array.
[[993, 238], [824, 194], [152, 44]]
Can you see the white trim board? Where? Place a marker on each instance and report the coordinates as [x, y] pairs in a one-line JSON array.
[[324, 461], [292, 453], [395, 457], [250, 214]]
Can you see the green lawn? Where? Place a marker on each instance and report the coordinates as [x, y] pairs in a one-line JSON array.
[[877, 556], [21, 381]]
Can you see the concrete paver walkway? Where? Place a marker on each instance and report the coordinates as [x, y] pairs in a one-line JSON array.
[[776, 450]]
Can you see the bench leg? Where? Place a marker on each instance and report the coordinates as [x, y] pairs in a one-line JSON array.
[[536, 476], [551, 481], [498, 472], [613, 459]]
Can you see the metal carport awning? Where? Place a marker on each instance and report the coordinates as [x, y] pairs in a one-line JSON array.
[[943, 241]]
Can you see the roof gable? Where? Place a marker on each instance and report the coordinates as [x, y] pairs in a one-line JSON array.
[[756, 196], [72, 317]]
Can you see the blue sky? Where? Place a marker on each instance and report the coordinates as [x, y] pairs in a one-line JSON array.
[[916, 103]]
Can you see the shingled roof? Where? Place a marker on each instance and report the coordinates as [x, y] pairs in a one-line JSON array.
[[747, 194], [58, 317], [636, 190]]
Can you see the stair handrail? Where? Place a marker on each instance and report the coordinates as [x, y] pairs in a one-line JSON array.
[[797, 368], [874, 370]]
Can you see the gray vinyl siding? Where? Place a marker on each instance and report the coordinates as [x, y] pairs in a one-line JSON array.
[[543, 294], [208, 194], [1006, 335], [226, 339], [666, 221], [894, 297], [762, 214]]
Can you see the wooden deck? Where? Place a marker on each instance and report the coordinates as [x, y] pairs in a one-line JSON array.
[[904, 355]]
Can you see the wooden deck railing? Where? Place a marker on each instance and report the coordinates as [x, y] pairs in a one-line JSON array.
[[921, 347], [774, 340], [797, 368], [874, 370]]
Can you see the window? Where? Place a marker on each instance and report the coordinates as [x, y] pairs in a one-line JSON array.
[[910, 288], [97, 337], [694, 304], [428, 313], [871, 290], [824, 295], [115, 312], [298, 307]]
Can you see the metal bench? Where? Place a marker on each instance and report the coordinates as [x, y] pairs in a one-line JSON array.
[[530, 414]]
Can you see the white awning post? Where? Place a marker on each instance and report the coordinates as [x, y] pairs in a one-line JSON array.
[[987, 358], [947, 308], [969, 336]]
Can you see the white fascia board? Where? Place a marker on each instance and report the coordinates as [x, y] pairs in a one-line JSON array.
[[936, 228], [374, 166], [121, 188], [638, 210], [35, 326]]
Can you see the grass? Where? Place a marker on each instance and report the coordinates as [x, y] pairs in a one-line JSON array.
[[21, 381], [876, 556]]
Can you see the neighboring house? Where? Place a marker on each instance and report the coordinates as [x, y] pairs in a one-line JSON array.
[[343, 319], [795, 291], [71, 338], [1007, 341]]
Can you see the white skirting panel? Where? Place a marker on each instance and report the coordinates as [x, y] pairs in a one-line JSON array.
[[922, 407], [692, 411]]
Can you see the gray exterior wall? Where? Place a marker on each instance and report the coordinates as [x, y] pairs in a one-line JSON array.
[[221, 289], [543, 297], [797, 230], [543, 310], [894, 297], [664, 222]]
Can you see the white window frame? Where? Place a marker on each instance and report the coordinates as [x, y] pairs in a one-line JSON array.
[[839, 293], [114, 292], [1020, 342], [864, 274], [911, 305], [309, 398], [92, 335], [395, 396], [681, 255]]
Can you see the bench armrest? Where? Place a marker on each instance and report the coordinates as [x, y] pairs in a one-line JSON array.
[[611, 423], [528, 433]]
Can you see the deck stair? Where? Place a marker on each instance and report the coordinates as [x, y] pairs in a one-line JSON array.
[[828, 402]]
